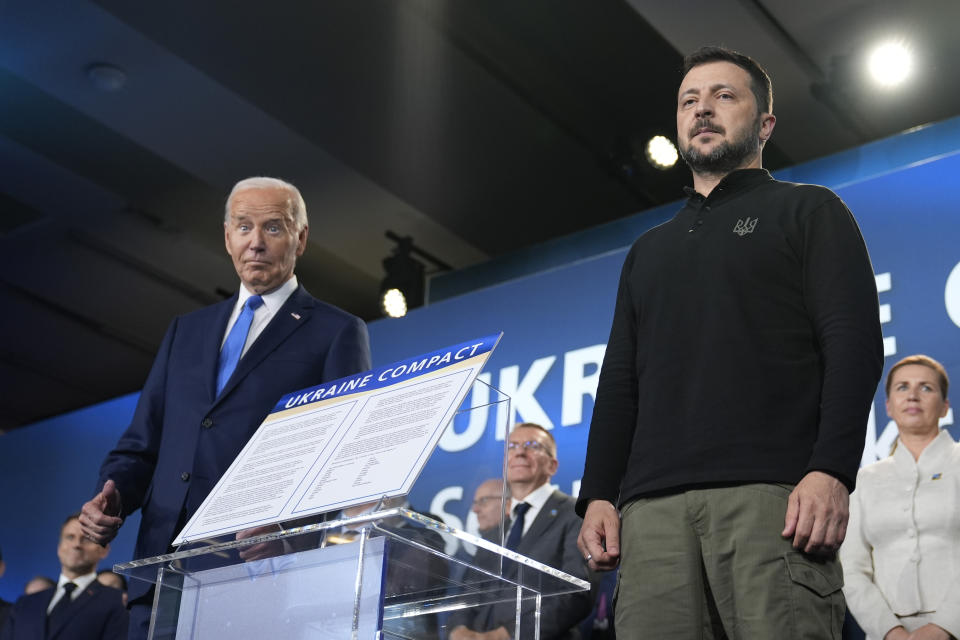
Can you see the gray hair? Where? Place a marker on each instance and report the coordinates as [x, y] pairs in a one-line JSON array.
[[297, 205]]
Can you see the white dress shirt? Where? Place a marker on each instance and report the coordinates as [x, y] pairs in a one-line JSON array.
[[263, 314], [901, 556], [82, 583], [536, 499]]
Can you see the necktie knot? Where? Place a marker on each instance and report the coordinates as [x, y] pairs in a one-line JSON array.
[[237, 338], [516, 530], [68, 588]]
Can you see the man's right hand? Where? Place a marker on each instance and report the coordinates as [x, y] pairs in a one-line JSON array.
[[897, 633], [100, 517], [600, 536]]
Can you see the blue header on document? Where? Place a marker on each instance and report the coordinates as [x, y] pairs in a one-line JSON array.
[[390, 374]]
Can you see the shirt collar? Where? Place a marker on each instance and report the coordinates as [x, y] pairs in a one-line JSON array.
[[933, 455], [937, 451], [82, 582], [538, 497], [273, 300], [735, 180]]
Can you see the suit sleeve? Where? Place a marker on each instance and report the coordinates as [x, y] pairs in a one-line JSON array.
[[615, 411], [947, 615], [349, 351], [840, 295], [131, 463]]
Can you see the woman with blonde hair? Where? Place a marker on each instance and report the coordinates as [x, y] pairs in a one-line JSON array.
[[901, 557]]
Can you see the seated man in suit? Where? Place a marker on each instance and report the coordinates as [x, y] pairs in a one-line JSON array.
[[489, 508], [217, 375], [545, 528], [79, 607]]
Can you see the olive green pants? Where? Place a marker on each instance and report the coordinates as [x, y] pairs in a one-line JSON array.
[[710, 564]]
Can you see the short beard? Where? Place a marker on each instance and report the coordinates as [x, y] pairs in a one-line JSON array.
[[727, 156]]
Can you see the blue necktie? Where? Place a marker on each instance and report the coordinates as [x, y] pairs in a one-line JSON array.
[[516, 531], [233, 346]]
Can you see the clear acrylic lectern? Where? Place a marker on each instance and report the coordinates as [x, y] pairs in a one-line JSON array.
[[393, 580]]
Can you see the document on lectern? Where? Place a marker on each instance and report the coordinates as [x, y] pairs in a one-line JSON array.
[[342, 443]]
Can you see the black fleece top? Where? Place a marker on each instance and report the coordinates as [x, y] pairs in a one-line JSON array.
[[745, 346]]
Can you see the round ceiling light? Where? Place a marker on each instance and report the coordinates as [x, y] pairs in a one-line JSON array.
[[661, 152], [394, 303], [890, 63]]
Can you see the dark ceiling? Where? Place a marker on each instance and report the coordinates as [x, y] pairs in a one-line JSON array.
[[477, 127]]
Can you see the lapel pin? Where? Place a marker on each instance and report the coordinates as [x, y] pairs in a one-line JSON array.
[[295, 315], [553, 512], [936, 476]]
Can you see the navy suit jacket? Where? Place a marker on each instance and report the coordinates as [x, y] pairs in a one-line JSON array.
[[552, 540], [96, 614], [183, 436]]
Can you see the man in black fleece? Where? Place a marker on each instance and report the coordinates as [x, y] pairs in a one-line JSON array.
[[732, 405]]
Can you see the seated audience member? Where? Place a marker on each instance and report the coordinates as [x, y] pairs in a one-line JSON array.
[[544, 527], [488, 505], [38, 583], [78, 607], [114, 580], [901, 557]]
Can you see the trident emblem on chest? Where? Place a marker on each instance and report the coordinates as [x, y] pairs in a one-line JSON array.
[[743, 227]]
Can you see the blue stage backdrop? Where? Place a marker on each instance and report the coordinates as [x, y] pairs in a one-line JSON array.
[[555, 326]]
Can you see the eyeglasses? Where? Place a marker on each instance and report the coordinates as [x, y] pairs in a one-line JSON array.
[[482, 500], [533, 446]]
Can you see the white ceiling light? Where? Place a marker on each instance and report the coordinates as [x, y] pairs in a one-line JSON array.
[[890, 63], [661, 152], [394, 303]]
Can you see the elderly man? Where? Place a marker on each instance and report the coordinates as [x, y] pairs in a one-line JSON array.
[[218, 373], [488, 505], [732, 404], [544, 528], [78, 607]]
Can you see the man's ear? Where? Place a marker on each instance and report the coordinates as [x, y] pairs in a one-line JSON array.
[[767, 122], [302, 240]]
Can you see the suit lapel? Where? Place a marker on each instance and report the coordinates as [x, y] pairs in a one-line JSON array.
[[85, 598], [211, 350], [545, 519], [294, 313]]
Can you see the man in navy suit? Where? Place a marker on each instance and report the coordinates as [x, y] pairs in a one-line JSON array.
[[210, 387], [79, 607], [546, 531]]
